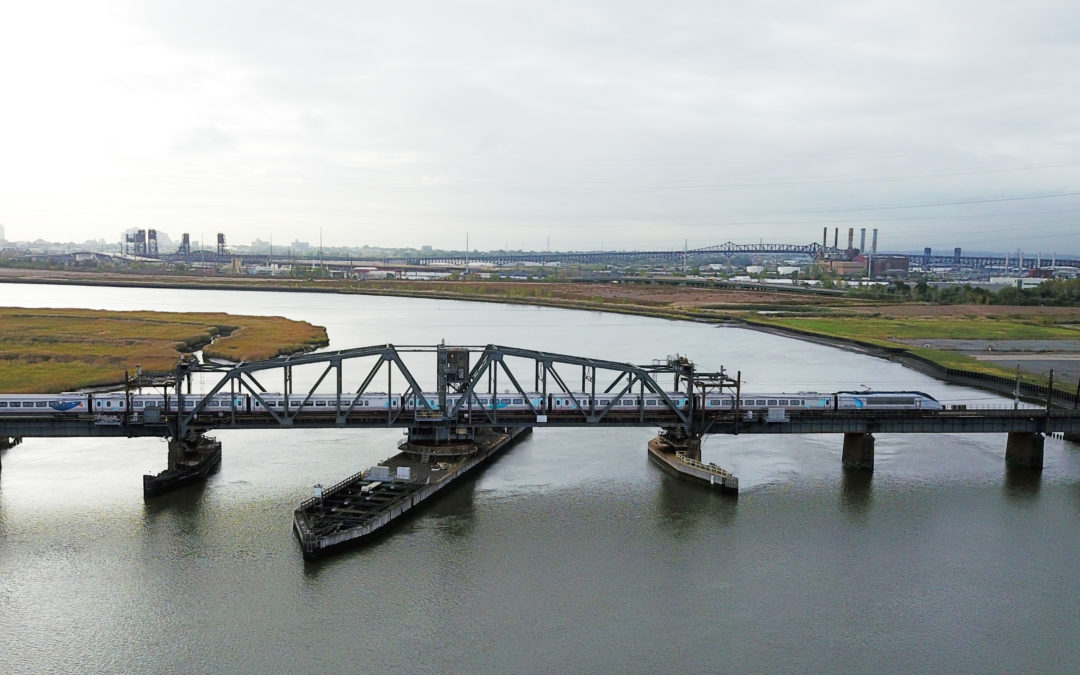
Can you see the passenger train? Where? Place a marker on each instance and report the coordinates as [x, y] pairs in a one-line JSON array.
[[221, 404]]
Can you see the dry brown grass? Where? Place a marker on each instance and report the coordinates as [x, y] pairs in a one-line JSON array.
[[51, 350]]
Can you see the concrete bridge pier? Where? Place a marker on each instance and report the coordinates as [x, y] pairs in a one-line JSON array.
[[1024, 450], [680, 455], [859, 451], [8, 442], [676, 442], [191, 459]]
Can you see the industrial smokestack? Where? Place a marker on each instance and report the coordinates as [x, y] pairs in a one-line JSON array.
[[836, 237], [873, 246], [850, 238], [862, 239], [825, 237]]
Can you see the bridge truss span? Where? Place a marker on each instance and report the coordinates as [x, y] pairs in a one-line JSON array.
[[474, 387]]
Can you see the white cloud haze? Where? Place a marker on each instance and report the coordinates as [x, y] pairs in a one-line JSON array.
[[594, 124]]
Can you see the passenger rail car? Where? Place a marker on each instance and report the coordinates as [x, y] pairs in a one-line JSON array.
[[222, 404]]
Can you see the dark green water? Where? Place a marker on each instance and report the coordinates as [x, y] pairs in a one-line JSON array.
[[570, 553]]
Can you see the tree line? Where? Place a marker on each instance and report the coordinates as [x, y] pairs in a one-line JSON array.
[[1050, 293]]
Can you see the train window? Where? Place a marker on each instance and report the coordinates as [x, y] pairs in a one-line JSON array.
[[783, 401], [138, 404], [892, 400], [518, 401], [189, 404], [321, 404], [771, 401], [604, 401], [3, 404]]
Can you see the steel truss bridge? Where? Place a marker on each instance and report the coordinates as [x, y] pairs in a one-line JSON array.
[[534, 257], [449, 407]]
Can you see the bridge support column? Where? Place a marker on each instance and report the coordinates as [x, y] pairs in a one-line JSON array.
[[692, 447], [1025, 450], [680, 455], [8, 442], [191, 459], [859, 452]]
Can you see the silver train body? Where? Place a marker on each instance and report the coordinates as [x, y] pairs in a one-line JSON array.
[[221, 404]]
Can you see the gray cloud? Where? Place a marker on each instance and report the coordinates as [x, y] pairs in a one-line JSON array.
[[618, 124]]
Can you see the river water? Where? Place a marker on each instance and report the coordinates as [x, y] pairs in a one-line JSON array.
[[570, 553]]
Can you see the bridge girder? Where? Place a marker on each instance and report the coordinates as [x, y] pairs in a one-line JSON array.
[[549, 376]]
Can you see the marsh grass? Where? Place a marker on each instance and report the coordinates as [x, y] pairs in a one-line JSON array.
[[52, 350], [887, 332]]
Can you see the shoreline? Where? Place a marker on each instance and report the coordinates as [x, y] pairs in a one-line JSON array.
[[272, 287], [995, 384]]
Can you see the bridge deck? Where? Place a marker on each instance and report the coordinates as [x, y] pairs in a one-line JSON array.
[[799, 422]]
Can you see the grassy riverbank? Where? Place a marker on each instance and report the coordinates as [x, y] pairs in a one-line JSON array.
[[51, 350], [893, 325], [932, 335], [665, 299]]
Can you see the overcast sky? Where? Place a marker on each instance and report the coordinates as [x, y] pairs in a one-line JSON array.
[[587, 124]]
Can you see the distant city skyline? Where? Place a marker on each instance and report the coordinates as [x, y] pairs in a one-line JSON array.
[[571, 125], [168, 243]]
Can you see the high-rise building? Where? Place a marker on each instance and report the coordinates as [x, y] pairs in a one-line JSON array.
[[1, 233]]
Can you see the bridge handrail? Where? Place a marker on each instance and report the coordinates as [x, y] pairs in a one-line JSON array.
[[711, 468], [311, 501]]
